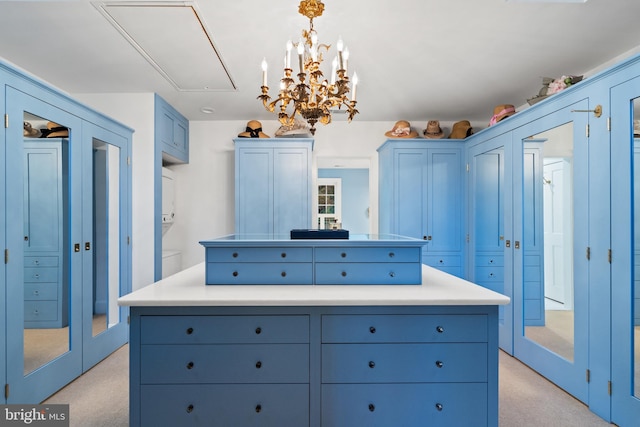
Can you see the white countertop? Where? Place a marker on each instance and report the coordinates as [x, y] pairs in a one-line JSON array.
[[187, 288]]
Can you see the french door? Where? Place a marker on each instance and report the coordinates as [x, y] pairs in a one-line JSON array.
[[67, 260]]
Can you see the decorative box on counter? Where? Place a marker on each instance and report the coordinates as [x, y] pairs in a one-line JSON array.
[[319, 234], [359, 260]]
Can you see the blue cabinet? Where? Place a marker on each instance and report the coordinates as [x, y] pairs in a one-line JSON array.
[[421, 196], [272, 185], [314, 366], [45, 212], [171, 132]]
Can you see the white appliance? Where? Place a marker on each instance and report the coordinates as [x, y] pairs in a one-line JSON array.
[[168, 199]]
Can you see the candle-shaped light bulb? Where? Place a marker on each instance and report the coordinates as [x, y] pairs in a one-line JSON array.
[[345, 59], [288, 60], [355, 84], [334, 67], [264, 71], [340, 46], [314, 47], [301, 55]]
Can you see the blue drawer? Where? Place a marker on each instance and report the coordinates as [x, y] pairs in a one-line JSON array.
[[368, 274], [266, 254], [384, 405], [282, 405], [41, 261], [224, 329], [259, 273], [404, 328], [489, 260], [404, 363], [231, 363], [347, 254], [442, 260], [489, 274], [40, 291], [41, 274], [36, 311]]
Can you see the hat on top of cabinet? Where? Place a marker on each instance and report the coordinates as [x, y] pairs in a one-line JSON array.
[[253, 130], [461, 130], [55, 130], [433, 130], [29, 131], [636, 128], [501, 112], [402, 129]]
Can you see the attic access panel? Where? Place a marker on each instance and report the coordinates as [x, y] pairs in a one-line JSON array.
[[172, 37]]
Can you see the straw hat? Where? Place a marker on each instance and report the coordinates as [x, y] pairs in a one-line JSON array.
[[461, 130], [433, 130], [57, 131], [501, 112], [253, 130], [402, 129], [29, 131]]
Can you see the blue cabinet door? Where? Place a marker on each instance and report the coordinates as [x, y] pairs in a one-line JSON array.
[[272, 186], [421, 194]]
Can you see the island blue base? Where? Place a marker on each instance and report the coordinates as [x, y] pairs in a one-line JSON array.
[[314, 366]]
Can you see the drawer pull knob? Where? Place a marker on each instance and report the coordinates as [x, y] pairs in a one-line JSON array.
[[439, 406], [440, 329], [391, 254], [258, 330], [190, 408], [392, 274], [235, 274], [283, 274], [372, 329], [36, 292], [372, 407], [258, 364], [189, 331], [36, 262], [283, 255], [190, 365], [235, 255], [441, 261], [372, 364], [344, 274], [439, 364], [490, 261], [258, 408], [37, 276], [343, 255]]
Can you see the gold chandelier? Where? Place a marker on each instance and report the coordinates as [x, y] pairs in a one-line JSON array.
[[312, 97]]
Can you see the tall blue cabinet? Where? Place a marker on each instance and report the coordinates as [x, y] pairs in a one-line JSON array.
[[45, 215], [421, 196], [66, 234], [272, 185]]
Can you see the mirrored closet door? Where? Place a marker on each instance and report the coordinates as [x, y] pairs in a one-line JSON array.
[[43, 189], [625, 236], [551, 325]]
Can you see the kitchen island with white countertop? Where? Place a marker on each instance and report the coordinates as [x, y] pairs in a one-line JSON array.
[[300, 355]]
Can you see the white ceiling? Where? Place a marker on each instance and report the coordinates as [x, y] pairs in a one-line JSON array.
[[416, 60]]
